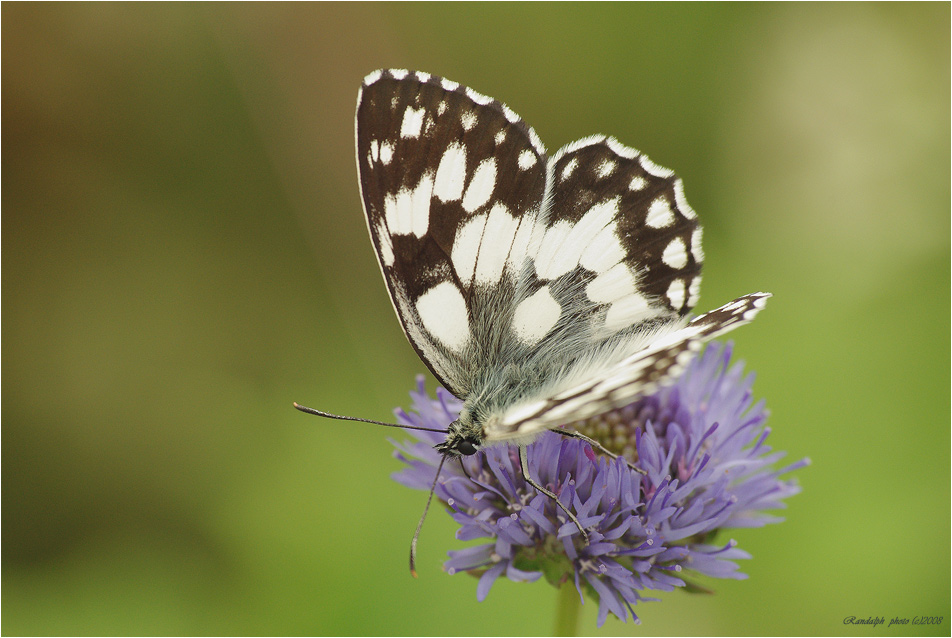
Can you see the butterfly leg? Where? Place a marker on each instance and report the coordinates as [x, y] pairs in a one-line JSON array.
[[598, 446], [524, 461]]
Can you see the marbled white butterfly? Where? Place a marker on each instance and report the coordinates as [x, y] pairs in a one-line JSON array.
[[539, 289]]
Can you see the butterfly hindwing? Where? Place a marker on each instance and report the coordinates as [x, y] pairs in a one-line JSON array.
[[617, 259], [637, 214]]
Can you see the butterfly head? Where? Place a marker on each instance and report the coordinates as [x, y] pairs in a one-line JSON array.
[[461, 440]]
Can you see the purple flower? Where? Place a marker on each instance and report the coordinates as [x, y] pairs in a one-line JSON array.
[[701, 442]]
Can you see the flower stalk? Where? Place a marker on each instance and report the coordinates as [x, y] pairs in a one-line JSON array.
[[567, 610]]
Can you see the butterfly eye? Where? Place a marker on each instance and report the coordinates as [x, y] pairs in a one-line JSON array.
[[466, 447]]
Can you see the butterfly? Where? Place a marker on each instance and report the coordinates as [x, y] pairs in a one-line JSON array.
[[539, 289]]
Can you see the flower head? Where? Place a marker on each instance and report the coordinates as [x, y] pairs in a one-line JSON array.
[[700, 442]]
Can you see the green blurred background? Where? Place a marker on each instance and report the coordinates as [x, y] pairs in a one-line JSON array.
[[184, 255]]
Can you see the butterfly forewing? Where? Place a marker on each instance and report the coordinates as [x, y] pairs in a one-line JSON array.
[[452, 182]]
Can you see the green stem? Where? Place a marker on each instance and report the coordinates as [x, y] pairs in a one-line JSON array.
[[566, 613]]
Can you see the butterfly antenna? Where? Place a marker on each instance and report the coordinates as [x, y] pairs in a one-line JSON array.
[[416, 534], [462, 466], [328, 415]]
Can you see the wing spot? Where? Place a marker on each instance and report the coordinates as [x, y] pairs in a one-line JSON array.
[[499, 233], [412, 122], [568, 169], [386, 153], [660, 214], [468, 120], [605, 169], [675, 254], [614, 283], [481, 186], [466, 247], [527, 159], [399, 74], [535, 316], [449, 85], [500, 136], [520, 245], [637, 183], [451, 174], [694, 291], [443, 313], [696, 246], [408, 212], [676, 294], [628, 311]]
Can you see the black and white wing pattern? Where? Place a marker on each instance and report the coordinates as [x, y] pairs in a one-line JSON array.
[[452, 183], [539, 289]]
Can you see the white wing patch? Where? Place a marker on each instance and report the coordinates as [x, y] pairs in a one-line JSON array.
[[481, 186], [442, 310], [548, 261], [386, 153], [628, 311], [451, 174], [412, 122], [568, 169], [468, 120], [675, 254], [565, 244], [466, 248], [500, 231], [614, 283], [408, 212], [676, 293], [660, 214], [520, 250], [535, 316], [696, 249], [605, 169], [527, 159], [604, 251], [694, 291]]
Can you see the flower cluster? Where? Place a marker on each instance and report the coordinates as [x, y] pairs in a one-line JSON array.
[[700, 442]]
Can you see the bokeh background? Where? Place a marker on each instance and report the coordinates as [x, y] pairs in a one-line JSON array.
[[184, 255]]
